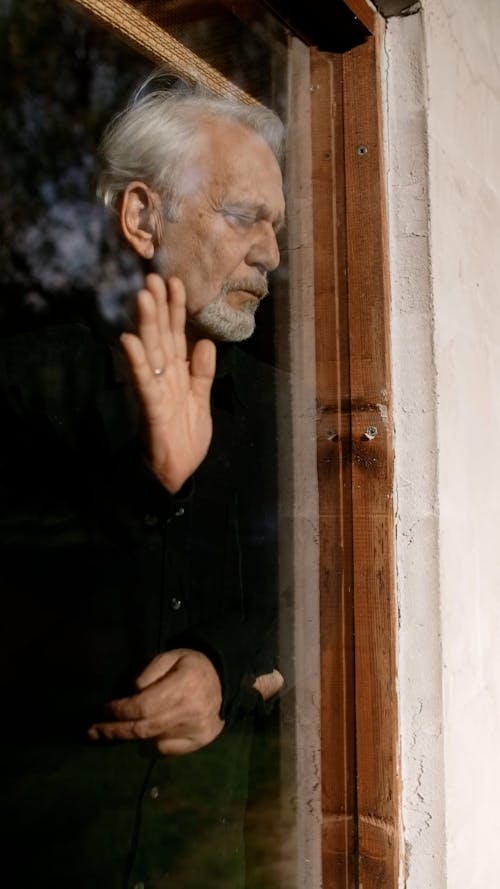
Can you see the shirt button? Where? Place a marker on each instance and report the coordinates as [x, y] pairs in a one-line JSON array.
[[175, 603], [154, 792], [179, 512], [150, 520]]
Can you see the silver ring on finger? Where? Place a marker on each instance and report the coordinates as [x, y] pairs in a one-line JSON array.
[[158, 371]]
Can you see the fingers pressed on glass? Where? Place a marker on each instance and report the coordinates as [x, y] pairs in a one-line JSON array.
[[158, 290], [203, 360], [134, 350], [177, 309], [164, 323], [155, 348]]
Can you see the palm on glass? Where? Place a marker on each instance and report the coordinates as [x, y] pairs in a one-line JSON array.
[[174, 392]]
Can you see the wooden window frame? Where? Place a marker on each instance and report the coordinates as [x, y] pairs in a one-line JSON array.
[[341, 267], [343, 248], [355, 471]]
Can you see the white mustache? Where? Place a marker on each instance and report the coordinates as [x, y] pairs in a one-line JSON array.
[[257, 287]]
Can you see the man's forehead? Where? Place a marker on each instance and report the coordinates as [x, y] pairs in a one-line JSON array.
[[229, 143], [256, 184], [236, 165]]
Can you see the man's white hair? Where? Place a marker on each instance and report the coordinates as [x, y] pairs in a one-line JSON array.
[[151, 139]]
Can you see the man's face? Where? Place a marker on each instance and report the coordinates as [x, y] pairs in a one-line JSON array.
[[224, 240]]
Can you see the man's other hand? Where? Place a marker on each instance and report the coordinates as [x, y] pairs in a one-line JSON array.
[[177, 705]]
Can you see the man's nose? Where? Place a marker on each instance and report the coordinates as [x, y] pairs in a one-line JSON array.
[[264, 250]]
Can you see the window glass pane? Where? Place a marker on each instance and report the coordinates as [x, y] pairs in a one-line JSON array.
[[241, 40], [112, 579], [64, 79]]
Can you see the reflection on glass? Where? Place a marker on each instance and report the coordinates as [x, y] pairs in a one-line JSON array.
[[62, 83], [241, 40], [139, 580]]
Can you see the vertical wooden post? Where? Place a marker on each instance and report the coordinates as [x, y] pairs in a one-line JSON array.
[[373, 526], [334, 475], [354, 465]]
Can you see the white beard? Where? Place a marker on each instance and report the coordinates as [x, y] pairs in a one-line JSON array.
[[219, 320], [224, 323]]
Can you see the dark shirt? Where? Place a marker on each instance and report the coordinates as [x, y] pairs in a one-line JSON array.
[[102, 569]]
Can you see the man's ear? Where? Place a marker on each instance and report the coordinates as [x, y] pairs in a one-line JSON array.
[[140, 217]]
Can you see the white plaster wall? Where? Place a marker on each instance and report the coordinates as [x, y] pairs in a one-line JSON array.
[[442, 93], [415, 439], [463, 56]]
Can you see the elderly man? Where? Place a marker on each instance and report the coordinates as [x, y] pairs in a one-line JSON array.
[[140, 508]]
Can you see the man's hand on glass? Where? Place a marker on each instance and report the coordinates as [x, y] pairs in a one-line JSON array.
[[174, 392]]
